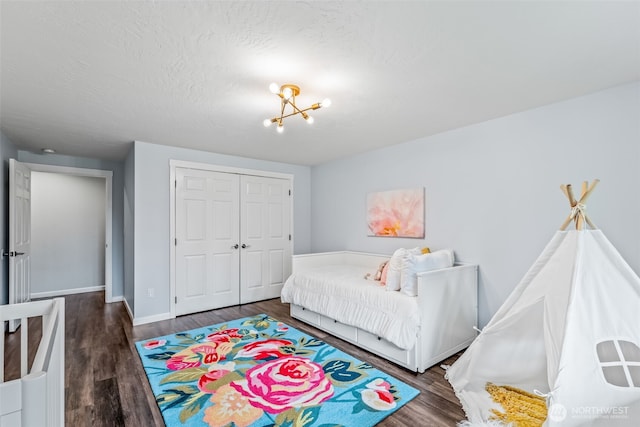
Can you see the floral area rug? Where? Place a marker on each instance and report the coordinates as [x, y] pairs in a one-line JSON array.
[[259, 372]]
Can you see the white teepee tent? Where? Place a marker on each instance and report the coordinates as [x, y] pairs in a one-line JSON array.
[[570, 330]]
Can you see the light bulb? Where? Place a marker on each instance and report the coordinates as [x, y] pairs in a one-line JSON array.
[[274, 88], [309, 120], [287, 92], [267, 123], [280, 128], [326, 103]]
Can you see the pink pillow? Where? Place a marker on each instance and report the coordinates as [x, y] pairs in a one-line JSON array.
[[383, 276]]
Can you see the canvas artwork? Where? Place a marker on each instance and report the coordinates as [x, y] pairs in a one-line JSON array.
[[397, 213]]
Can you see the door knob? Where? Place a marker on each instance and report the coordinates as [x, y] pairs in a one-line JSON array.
[[12, 253], [235, 246], [245, 246]]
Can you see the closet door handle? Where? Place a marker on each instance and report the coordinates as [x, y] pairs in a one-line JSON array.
[[245, 246], [235, 246]]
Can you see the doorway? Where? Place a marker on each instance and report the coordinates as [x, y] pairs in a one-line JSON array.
[[106, 177]]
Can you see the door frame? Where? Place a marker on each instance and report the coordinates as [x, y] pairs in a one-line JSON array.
[[173, 164], [108, 214]]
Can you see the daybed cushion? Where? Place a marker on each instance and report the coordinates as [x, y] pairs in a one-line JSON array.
[[342, 293]]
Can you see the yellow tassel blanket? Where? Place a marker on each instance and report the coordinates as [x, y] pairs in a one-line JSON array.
[[521, 409]]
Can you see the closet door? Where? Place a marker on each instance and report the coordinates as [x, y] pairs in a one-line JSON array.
[[265, 227], [207, 234]]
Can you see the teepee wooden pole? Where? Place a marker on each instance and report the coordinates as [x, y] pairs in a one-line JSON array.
[[568, 192], [579, 216], [579, 219], [585, 186], [566, 223], [566, 189], [583, 194], [587, 193], [572, 200], [563, 187]]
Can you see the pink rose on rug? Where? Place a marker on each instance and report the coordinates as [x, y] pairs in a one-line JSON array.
[[377, 395], [285, 383], [263, 349], [150, 345], [198, 354], [224, 336], [216, 371]]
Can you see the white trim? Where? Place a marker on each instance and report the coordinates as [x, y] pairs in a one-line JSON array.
[[66, 292], [118, 298], [129, 311], [68, 170], [173, 164], [108, 214], [151, 319], [227, 169], [172, 236]]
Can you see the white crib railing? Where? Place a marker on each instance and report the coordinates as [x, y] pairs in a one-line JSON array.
[[36, 399]]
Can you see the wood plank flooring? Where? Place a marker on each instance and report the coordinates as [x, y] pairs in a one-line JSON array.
[[106, 386]]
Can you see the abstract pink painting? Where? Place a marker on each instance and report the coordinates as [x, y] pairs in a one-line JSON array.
[[398, 213]]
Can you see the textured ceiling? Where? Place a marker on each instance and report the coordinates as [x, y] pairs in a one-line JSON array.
[[88, 77]]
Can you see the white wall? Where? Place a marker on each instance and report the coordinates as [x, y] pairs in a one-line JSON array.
[[152, 235], [68, 233], [492, 189]]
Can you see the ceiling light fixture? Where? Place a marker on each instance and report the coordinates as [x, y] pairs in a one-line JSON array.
[[287, 94], [48, 151]]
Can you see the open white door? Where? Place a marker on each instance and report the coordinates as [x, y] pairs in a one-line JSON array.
[[19, 235]]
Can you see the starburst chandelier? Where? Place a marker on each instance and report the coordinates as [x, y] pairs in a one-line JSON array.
[[287, 94]]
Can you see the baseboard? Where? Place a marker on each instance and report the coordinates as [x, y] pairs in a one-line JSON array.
[[118, 298], [129, 311], [135, 321], [150, 319], [66, 292]]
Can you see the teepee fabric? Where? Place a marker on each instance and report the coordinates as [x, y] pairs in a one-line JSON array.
[[569, 330]]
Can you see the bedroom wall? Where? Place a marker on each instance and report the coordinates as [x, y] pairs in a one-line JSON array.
[[152, 233], [492, 189]]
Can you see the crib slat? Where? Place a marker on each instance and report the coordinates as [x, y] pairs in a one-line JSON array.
[[11, 398], [24, 346], [3, 323], [34, 397]]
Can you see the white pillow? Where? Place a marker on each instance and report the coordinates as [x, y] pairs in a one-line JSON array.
[[393, 272], [415, 264], [396, 264]]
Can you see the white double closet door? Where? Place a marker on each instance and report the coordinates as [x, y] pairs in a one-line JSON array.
[[233, 241]]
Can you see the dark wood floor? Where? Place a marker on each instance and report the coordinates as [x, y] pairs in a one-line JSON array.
[[105, 383]]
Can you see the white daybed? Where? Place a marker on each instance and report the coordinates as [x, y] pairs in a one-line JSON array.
[[328, 290]]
